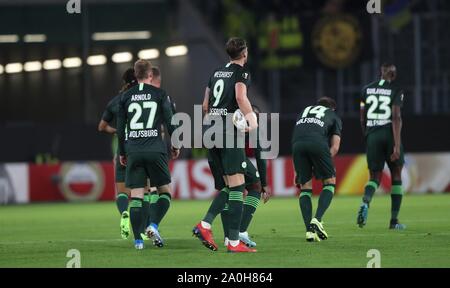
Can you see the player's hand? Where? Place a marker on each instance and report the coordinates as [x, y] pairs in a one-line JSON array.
[[266, 194], [396, 154], [123, 160], [252, 121], [174, 152]]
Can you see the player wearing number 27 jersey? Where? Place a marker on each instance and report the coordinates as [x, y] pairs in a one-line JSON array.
[[381, 122], [142, 110]]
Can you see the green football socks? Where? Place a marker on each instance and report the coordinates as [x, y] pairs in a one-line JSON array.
[[370, 189], [217, 205], [225, 220], [145, 210], [396, 199], [235, 203], [250, 205], [152, 207], [122, 202], [136, 217], [162, 206], [306, 207], [325, 200]]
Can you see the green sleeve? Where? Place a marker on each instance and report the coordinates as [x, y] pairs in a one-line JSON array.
[[108, 114], [337, 127], [167, 115], [121, 124]]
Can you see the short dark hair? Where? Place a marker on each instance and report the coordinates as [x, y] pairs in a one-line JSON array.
[[156, 71], [327, 102], [129, 79], [142, 68], [128, 76], [235, 47]]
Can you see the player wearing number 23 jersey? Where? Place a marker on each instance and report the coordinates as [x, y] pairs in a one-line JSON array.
[[381, 122]]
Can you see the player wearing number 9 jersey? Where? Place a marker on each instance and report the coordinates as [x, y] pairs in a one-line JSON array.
[[227, 92], [381, 122], [316, 140], [142, 110]]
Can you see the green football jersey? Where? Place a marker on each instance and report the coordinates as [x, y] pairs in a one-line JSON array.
[[317, 123], [222, 97], [142, 110], [378, 99], [110, 116]]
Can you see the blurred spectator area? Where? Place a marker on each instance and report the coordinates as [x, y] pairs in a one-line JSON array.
[[301, 50]]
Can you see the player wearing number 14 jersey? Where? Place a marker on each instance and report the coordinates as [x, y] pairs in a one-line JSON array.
[[142, 110], [316, 140], [381, 122]]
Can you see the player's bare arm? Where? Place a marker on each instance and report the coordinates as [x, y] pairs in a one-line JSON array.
[[362, 117], [206, 101], [335, 144], [245, 106], [104, 126], [396, 130]]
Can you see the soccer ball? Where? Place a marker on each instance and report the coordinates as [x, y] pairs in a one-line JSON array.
[[239, 120]]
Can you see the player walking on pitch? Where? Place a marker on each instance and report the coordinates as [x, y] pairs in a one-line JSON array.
[[142, 110], [227, 92], [316, 140], [381, 123], [107, 124]]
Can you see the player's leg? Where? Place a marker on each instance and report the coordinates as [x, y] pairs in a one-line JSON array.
[[251, 202], [152, 206], [396, 191], [323, 169], [234, 167], [146, 212], [122, 206], [221, 198], [303, 180], [157, 169], [375, 151], [136, 180], [122, 196], [203, 229], [225, 217]]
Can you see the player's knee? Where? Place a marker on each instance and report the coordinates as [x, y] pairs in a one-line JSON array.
[[330, 181], [396, 173], [235, 180], [254, 187], [375, 176], [307, 185], [165, 189], [121, 188]]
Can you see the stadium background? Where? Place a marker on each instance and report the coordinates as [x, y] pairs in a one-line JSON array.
[[50, 149]]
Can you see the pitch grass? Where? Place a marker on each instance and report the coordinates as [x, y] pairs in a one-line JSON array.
[[40, 235]]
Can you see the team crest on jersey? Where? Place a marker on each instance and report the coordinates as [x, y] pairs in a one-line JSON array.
[[245, 75], [244, 165]]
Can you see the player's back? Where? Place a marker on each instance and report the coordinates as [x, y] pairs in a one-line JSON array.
[[222, 97], [146, 109], [378, 98], [317, 124]]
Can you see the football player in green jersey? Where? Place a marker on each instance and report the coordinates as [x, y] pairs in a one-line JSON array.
[[381, 122], [316, 140], [107, 124], [227, 92], [142, 110]]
